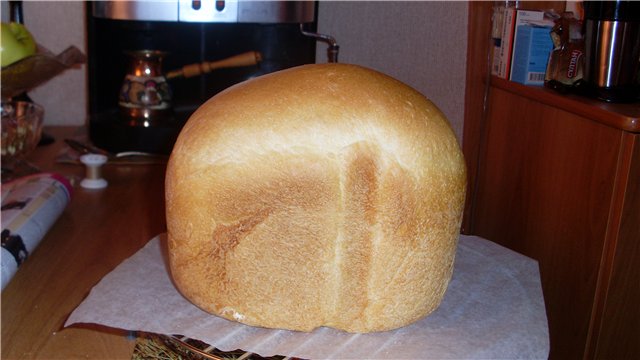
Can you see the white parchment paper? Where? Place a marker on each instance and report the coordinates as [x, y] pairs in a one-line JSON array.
[[492, 309]]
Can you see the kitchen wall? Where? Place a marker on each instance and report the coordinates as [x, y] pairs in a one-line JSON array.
[[422, 43], [57, 25]]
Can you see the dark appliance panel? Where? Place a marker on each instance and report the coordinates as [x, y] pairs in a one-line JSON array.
[[281, 44]]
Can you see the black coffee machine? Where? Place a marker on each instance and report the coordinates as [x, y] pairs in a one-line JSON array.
[[281, 34]]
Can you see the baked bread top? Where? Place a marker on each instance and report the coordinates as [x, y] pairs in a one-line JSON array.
[[322, 195]]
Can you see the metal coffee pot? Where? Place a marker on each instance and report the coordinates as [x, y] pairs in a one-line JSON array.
[[145, 97]]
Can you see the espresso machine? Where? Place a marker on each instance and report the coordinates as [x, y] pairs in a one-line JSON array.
[[151, 64]]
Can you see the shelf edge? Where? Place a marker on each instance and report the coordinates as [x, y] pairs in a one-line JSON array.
[[625, 117]]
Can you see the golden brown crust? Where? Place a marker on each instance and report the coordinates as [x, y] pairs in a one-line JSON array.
[[323, 195]]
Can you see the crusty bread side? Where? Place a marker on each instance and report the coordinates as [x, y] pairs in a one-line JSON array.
[[322, 195]]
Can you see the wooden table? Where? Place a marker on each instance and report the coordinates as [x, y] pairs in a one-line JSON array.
[[95, 233], [98, 230]]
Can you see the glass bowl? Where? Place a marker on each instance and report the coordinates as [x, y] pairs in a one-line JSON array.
[[21, 129], [21, 132]]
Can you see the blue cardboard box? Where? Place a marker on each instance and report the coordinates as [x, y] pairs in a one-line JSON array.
[[531, 49]]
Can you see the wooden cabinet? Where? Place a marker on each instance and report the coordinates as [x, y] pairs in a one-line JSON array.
[[557, 178]]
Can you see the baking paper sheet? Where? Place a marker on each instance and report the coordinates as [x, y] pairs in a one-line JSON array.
[[492, 309]]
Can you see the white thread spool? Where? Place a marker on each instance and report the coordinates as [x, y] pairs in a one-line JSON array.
[[93, 178]]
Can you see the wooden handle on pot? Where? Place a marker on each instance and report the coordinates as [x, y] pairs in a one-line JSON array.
[[246, 59]]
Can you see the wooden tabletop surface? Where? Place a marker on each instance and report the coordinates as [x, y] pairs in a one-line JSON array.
[[97, 231]]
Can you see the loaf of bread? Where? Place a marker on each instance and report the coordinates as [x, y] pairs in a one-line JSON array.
[[322, 195]]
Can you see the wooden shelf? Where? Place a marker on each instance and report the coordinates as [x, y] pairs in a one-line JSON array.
[[554, 176], [624, 117]]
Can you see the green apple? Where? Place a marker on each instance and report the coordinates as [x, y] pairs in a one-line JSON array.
[[16, 43]]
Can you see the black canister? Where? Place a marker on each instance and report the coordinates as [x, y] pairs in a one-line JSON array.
[[612, 49]]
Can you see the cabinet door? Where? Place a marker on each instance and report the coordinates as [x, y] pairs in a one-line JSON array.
[[544, 188], [616, 328]]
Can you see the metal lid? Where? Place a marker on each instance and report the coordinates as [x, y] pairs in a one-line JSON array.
[[612, 10]]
